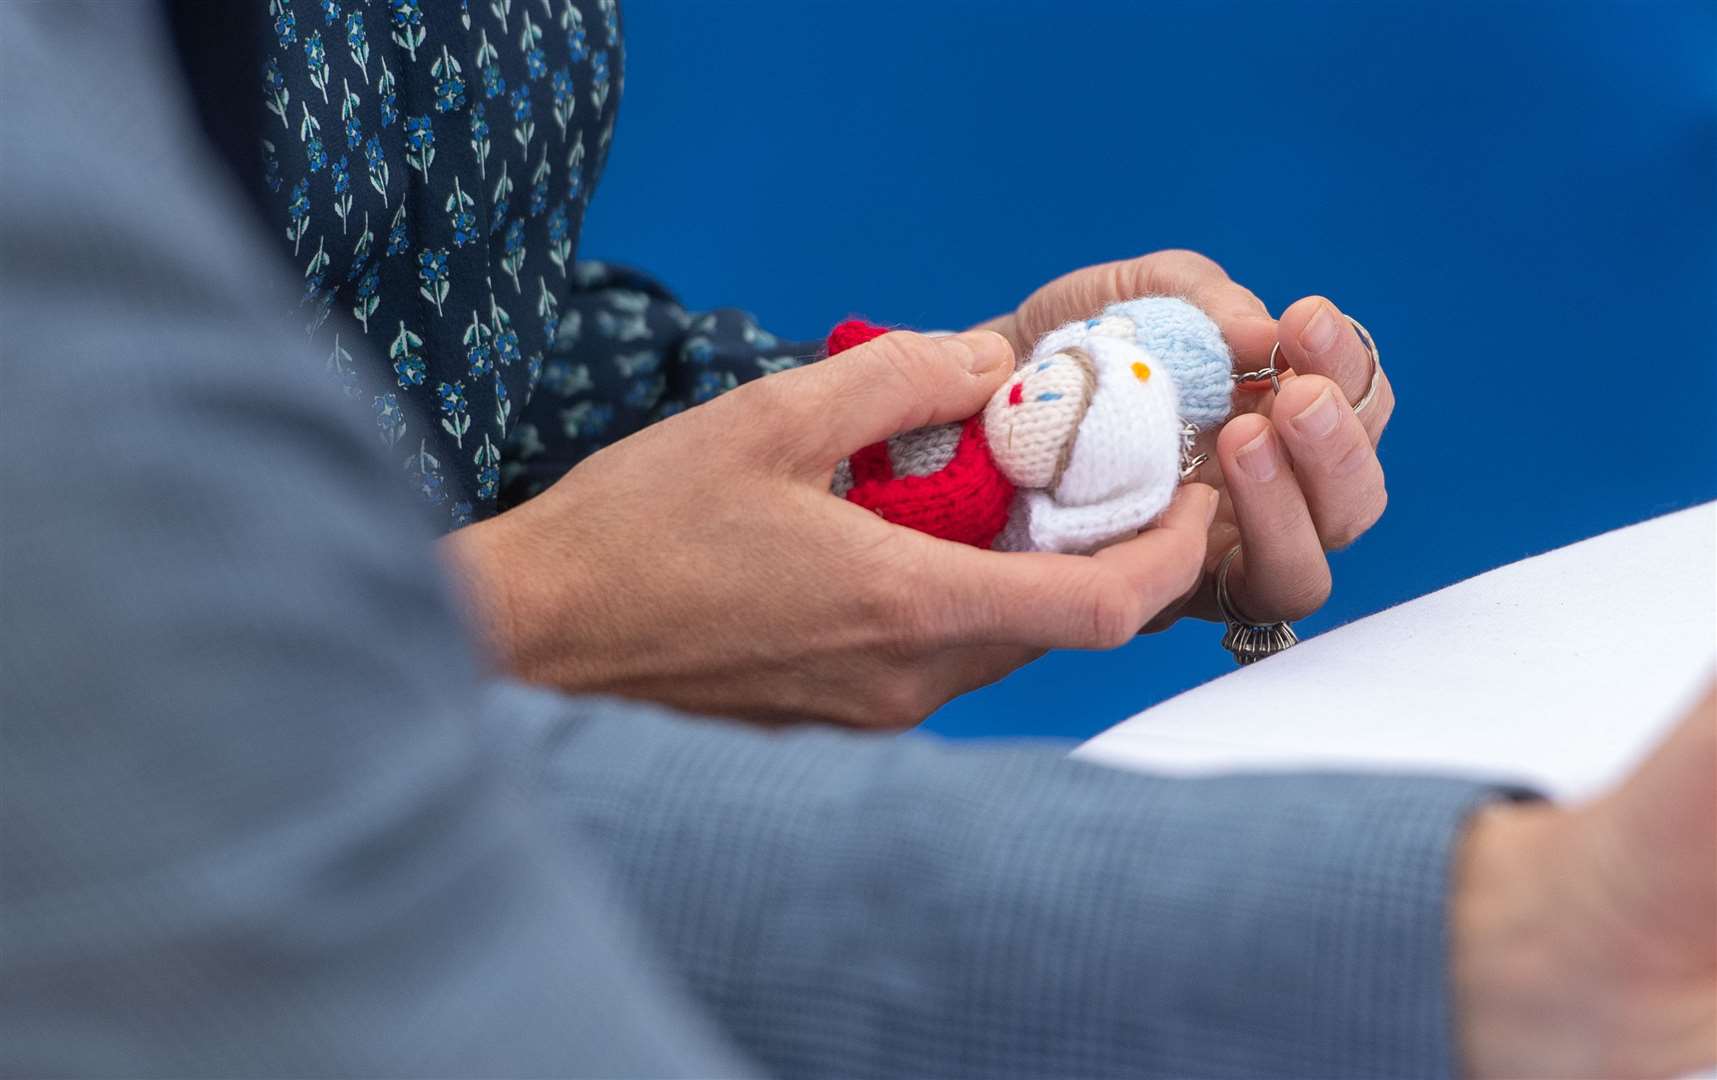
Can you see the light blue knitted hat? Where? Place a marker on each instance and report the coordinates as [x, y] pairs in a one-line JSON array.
[[1185, 340]]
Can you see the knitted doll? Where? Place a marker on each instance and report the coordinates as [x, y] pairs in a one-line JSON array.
[[1084, 444]]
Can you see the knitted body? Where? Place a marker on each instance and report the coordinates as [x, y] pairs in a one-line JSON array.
[[1080, 447]]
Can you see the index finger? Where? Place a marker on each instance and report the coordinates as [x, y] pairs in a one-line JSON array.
[[1243, 319]]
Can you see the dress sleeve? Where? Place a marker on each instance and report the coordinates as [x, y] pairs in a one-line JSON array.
[[860, 905], [627, 354]]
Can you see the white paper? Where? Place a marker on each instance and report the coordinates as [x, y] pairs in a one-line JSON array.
[[1560, 670]]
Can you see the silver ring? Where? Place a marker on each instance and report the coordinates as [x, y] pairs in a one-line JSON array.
[[1370, 344], [1376, 366], [1248, 641]]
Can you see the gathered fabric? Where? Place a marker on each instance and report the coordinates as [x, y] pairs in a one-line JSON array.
[[427, 167]]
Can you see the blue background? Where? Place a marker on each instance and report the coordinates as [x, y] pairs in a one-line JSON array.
[[1520, 200]]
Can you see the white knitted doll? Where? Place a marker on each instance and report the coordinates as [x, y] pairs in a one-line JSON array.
[[1083, 445]]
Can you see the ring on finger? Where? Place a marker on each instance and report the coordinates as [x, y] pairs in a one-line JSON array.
[[1247, 641], [1370, 344], [1376, 366]]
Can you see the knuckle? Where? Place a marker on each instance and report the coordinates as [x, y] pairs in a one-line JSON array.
[[759, 397], [1354, 458], [1342, 535], [1299, 392], [907, 366], [901, 355], [1305, 596], [1117, 281], [901, 701], [779, 432], [1176, 571], [878, 603], [1363, 518], [1189, 556], [877, 607], [1172, 272], [908, 617], [1188, 263], [920, 625]]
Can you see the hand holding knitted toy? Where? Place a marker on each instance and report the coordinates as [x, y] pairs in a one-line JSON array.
[[1298, 471], [723, 578], [814, 608]]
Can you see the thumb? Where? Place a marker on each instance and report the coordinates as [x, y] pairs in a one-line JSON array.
[[895, 383]]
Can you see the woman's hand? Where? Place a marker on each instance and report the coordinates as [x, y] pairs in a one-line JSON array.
[[703, 562], [1298, 472]]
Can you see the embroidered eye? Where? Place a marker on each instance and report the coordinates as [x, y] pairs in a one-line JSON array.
[[1049, 396], [1141, 371], [1043, 366]]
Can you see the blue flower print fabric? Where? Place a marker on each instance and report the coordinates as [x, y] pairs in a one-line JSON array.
[[428, 164]]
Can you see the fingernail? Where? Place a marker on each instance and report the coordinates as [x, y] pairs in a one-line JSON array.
[[981, 351], [1211, 500], [1319, 418], [1258, 459], [1320, 332]]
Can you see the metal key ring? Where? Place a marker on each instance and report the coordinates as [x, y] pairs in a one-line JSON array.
[[1365, 339]]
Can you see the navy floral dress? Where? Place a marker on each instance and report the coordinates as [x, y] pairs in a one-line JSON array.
[[428, 164]]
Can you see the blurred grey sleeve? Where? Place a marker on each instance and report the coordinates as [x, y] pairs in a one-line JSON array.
[[860, 906], [250, 818]]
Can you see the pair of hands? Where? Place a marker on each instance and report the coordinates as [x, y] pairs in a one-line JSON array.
[[702, 562]]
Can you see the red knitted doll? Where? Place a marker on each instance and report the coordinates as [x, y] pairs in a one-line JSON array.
[[1083, 444]]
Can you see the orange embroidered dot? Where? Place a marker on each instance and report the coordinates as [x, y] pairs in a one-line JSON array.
[[1141, 371]]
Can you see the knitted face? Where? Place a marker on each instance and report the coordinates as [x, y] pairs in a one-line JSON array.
[[1128, 441], [1032, 420], [1088, 474], [1082, 445]]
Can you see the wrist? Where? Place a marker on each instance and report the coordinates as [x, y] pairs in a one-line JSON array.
[[523, 588], [476, 564], [1504, 968], [1543, 978]]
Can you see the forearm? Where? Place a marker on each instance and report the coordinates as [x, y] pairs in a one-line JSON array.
[[869, 906]]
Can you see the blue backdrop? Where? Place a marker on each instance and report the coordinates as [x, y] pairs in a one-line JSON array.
[[1520, 200]]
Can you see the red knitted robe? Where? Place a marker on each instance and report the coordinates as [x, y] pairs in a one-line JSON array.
[[966, 501]]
